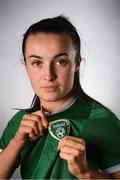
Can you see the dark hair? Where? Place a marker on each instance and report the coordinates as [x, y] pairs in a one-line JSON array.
[[57, 25]]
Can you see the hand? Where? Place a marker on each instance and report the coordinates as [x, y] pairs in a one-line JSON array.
[[31, 127], [72, 149]]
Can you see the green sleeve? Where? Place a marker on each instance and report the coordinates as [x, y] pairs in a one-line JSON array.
[[103, 132], [110, 154], [11, 129]]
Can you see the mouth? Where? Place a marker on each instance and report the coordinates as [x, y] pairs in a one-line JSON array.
[[50, 88]]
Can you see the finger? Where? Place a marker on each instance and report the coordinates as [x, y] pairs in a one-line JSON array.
[[74, 157], [32, 116], [79, 140], [66, 156], [35, 118], [45, 122], [72, 142], [69, 157], [42, 109], [72, 145], [41, 128], [27, 131], [71, 150], [38, 118], [43, 118], [31, 123]]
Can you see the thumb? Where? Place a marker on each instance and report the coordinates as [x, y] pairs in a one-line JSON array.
[[43, 117]]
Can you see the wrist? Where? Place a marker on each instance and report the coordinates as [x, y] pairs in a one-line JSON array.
[[92, 174], [86, 175], [16, 145]]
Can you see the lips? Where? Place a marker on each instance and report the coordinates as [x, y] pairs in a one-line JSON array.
[[50, 88]]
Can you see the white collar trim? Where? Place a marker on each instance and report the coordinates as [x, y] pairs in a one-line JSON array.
[[64, 106]]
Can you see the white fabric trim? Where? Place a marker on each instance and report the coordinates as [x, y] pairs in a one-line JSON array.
[[112, 169], [63, 107], [1, 150]]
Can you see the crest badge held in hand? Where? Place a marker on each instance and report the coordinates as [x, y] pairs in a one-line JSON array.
[[59, 128]]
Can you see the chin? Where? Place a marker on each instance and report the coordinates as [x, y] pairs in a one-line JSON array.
[[52, 98]]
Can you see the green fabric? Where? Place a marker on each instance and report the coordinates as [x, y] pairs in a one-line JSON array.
[[89, 120]]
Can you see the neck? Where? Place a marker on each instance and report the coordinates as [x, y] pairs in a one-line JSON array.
[[52, 106]]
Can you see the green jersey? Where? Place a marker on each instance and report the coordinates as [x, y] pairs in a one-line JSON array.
[[93, 122]]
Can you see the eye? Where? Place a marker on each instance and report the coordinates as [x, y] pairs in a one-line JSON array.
[[61, 62], [37, 63]]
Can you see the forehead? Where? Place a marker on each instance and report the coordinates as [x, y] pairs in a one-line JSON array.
[[49, 42]]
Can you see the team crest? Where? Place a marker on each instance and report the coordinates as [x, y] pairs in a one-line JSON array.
[[59, 128]]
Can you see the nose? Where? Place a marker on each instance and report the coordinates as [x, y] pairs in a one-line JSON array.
[[49, 73]]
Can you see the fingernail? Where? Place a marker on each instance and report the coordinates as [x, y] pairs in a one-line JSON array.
[[58, 148], [41, 108], [46, 125]]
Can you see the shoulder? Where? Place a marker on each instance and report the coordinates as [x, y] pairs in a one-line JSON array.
[[11, 128], [93, 110], [102, 112], [16, 119], [102, 124]]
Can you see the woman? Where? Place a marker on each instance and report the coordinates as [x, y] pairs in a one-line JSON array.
[[63, 135]]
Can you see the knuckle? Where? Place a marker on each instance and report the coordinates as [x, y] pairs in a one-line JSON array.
[[82, 148], [60, 154], [30, 130], [33, 123], [72, 158], [77, 153], [83, 142], [37, 118], [66, 138], [25, 116], [63, 148], [40, 113], [21, 123]]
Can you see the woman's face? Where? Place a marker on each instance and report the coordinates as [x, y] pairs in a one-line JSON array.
[[51, 65]]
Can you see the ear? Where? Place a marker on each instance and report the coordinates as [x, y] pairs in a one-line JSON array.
[[77, 68], [77, 65]]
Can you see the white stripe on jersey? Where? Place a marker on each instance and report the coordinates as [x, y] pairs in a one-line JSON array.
[[112, 169]]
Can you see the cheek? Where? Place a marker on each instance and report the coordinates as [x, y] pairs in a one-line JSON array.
[[71, 70], [67, 76], [34, 77]]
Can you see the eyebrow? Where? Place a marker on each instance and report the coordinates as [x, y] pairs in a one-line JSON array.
[[39, 57]]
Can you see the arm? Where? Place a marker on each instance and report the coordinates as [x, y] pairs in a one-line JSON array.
[[32, 127], [8, 158], [72, 149]]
